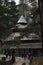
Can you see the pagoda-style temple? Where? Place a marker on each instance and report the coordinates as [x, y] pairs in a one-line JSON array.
[[19, 42]]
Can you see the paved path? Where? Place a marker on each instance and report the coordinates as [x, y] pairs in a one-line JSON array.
[[20, 61]]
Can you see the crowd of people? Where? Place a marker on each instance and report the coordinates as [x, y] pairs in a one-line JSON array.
[[11, 55]]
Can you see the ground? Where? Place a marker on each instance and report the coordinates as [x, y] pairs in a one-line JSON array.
[[35, 61], [20, 61]]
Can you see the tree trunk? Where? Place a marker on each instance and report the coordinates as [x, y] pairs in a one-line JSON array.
[[41, 16]]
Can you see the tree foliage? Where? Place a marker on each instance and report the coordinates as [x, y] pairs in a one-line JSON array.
[[8, 16], [32, 15]]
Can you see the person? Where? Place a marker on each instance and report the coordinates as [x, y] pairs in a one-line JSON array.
[[31, 57], [4, 57], [24, 55], [27, 56], [13, 57]]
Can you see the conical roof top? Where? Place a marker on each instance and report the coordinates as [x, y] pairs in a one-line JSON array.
[[22, 20]]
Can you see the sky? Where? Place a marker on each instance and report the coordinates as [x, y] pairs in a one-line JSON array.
[[17, 1]]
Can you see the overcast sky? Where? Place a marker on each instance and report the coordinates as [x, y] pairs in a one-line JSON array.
[[17, 1]]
